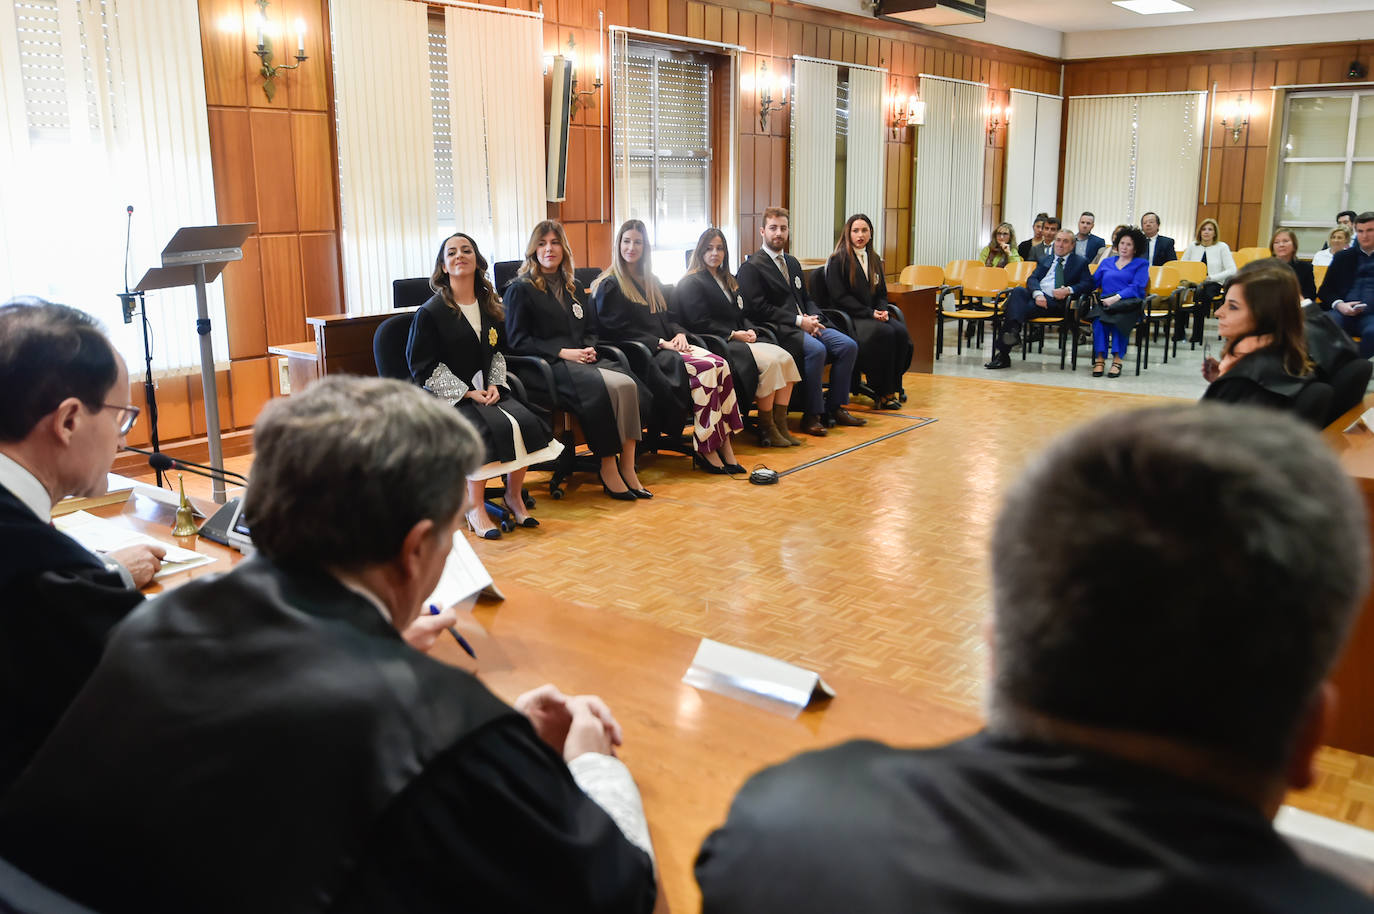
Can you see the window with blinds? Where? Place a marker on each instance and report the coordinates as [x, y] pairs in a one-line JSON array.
[[443, 124], [1328, 162], [662, 149], [55, 41]]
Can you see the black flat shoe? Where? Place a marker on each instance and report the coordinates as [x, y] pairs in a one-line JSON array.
[[707, 466]]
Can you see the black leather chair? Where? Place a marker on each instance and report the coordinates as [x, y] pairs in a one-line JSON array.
[[503, 273], [22, 894], [389, 346], [820, 294], [407, 293], [1348, 387], [1313, 402], [585, 276]]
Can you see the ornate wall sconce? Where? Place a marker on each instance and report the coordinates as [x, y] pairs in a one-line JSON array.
[[997, 117], [576, 99], [766, 88], [1235, 117], [264, 51], [908, 111]]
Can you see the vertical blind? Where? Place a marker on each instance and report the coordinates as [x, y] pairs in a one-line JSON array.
[[812, 189], [1132, 154], [388, 198], [1032, 175], [102, 106], [865, 169], [947, 215], [661, 147]]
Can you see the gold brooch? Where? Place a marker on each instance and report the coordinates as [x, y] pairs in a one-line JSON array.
[[491, 336]]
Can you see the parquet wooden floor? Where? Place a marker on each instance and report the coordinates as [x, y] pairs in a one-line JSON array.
[[873, 564]]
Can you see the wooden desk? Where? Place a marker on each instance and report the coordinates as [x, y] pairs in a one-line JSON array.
[[689, 750], [1353, 727], [919, 308], [342, 345]]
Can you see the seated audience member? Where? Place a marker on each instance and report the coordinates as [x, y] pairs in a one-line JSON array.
[[266, 741], [1110, 250], [1338, 240], [1209, 249], [547, 315], [1264, 360], [1042, 248], [1139, 736], [1001, 247], [1085, 243], [1344, 219], [454, 352], [1284, 247], [63, 417], [1024, 249], [1046, 293], [1123, 280], [1160, 248], [709, 301], [775, 297], [854, 278], [630, 306], [1348, 288]]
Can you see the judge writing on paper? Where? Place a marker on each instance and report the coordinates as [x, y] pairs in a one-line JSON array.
[[342, 770], [63, 416]]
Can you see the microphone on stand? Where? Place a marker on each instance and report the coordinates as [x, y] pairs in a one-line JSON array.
[[217, 527], [126, 298], [163, 463]]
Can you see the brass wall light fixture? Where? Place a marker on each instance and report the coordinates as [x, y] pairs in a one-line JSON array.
[[766, 88], [264, 51]]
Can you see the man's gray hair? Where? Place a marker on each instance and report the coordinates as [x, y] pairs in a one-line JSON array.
[[1185, 572], [343, 470]]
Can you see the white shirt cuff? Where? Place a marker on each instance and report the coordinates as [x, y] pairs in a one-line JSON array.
[[611, 786]]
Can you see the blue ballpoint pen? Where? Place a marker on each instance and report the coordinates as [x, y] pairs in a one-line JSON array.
[[462, 642]]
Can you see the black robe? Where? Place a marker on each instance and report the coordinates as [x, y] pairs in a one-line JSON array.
[[884, 348], [703, 307], [1259, 379], [774, 302], [994, 826], [440, 334], [265, 741], [538, 323], [665, 375], [59, 602]]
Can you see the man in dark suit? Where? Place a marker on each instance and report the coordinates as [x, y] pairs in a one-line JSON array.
[[1085, 243], [1140, 736], [775, 295], [62, 419], [1348, 288], [265, 740], [1160, 248], [1046, 294]]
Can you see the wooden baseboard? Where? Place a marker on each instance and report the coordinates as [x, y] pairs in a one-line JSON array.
[[195, 450]]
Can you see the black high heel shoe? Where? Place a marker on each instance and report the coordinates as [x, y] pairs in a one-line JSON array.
[[637, 493], [618, 496], [493, 534], [707, 466]]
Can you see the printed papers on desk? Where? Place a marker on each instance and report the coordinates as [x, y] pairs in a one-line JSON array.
[[100, 535]]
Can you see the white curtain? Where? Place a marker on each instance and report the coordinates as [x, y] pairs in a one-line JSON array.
[[386, 147], [1099, 168], [1172, 131], [947, 216], [1134, 154], [102, 106], [495, 89], [812, 194], [863, 192], [1032, 176]]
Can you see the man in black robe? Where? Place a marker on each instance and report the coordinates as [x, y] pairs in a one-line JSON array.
[[266, 741], [63, 417], [1159, 657]]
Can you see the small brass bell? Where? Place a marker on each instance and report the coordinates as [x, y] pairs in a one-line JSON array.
[[186, 519]]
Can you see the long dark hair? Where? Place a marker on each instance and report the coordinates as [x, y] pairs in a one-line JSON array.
[[698, 262], [487, 299], [846, 247], [1271, 293]]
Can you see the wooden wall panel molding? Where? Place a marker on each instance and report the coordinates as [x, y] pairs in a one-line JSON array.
[[275, 171], [250, 383], [197, 401], [231, 163], [282, 293], [312, 144], [245, 319]]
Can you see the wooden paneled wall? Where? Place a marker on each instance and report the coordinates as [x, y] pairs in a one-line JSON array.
[[1235, 183], [773, 33]]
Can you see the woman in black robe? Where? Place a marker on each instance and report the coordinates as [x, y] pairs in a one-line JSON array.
[[547, 315], [854, 278], [454, 352], [708, 301]]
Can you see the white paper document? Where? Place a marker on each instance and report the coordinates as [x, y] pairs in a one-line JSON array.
[[464, 578], [100, 535]]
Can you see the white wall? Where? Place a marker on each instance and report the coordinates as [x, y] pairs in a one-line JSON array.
[[1313, 29]]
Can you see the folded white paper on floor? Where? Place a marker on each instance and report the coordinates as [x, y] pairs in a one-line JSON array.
[[755, 679]]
